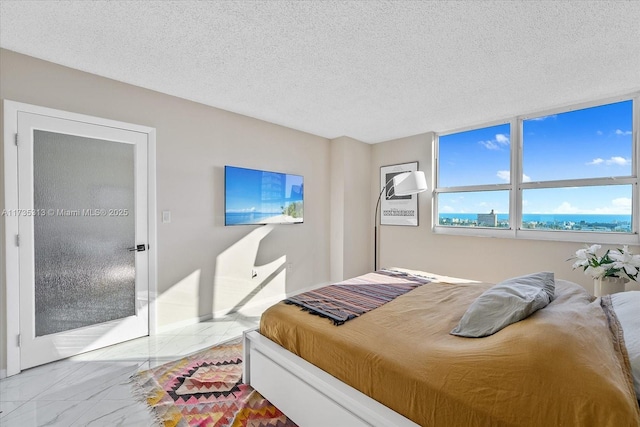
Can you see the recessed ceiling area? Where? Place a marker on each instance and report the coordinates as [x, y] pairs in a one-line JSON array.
[[370, 70]]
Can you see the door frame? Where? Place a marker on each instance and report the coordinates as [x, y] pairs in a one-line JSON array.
[[11, 229]]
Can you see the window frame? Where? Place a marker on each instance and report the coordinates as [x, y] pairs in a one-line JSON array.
[[516, 186]]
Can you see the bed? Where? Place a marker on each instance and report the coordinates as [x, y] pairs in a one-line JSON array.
[[398, 364]]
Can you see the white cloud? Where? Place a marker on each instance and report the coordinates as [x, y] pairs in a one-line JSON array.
[[497, 143], [610, 210], [615, 160], [619, 206], [446, 209], [502, 138], [599, 133], [566, 208], [623, 132], [539, 119], [504, 175], [490, 145], [622, 202]]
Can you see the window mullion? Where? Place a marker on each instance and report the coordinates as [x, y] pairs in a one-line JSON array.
[[515, 206], [582, 182], [472, 188], [635, 138]]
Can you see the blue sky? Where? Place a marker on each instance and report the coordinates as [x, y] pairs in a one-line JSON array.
[[249, 190], [589, 143]]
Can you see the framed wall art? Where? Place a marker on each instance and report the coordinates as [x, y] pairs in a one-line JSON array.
[[397, 210]]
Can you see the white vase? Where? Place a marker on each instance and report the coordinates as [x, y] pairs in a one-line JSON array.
[[608, 285]]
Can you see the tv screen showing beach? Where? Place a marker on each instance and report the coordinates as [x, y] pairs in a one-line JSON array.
[[262, 197]]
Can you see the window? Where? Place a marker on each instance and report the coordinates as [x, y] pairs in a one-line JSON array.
[[558, 175], [474, 177]]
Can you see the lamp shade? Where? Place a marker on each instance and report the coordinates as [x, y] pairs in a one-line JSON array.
[[409, 183]]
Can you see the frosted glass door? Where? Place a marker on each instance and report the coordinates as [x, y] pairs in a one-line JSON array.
[[83, 232], [84, 273]]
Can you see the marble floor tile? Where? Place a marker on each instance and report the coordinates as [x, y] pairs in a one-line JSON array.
[[136, 350], [185, 345], [32, 382], [37, 413], [207, 328], [94, 388], [116, 413], [92, 382], [7, 407]]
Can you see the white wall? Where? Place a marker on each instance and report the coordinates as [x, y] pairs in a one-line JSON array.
[[482, 258], [203, 266], [351, 216]]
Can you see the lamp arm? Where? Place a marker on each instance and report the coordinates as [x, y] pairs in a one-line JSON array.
[[378, 203], [375, 228]]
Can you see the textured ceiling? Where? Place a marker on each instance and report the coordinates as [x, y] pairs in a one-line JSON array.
[[374, 70]]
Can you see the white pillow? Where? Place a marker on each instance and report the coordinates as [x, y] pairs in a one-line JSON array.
[[627, 308], [507, 302]]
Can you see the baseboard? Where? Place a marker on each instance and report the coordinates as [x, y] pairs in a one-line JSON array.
[[222, 313], [268, 302]]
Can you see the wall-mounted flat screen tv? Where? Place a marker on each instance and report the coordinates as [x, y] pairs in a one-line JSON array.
[[254, 196]]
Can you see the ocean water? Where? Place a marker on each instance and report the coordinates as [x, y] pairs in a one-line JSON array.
[[237, 218], [577, 218]]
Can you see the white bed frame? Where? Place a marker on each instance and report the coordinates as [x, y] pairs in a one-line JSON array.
[[309, 396]]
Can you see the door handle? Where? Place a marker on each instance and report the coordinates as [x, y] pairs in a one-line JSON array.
[[138, 248]]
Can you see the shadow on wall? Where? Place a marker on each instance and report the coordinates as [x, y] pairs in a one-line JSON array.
[[240, 285]]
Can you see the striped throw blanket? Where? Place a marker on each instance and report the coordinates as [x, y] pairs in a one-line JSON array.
[[349, 299]]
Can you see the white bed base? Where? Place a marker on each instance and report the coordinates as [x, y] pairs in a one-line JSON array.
[[309, 396]]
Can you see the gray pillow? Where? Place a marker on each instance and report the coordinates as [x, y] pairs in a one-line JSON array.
[[507, 302]]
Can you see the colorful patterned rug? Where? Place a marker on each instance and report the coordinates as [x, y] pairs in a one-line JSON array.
[[206, 390]]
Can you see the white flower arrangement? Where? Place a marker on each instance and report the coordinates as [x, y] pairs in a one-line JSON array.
[[614, 263]]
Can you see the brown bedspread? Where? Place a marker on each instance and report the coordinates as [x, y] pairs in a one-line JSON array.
[[559, 367]]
